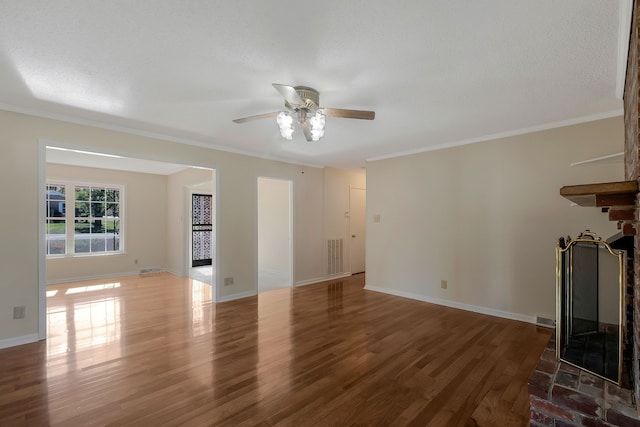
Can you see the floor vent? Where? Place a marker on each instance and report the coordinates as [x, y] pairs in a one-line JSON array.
[[545, 321], [334, 247], [150, 270]]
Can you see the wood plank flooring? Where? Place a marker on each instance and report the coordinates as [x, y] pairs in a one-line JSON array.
[[155, 350]]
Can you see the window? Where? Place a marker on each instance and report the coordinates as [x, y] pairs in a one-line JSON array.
[[94, 223], [56, 226]]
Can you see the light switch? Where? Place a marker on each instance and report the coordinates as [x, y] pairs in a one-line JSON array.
[[376, 218]]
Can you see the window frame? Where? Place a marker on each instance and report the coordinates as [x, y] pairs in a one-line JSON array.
[[70, 217]]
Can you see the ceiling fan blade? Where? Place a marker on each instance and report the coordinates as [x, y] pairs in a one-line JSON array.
[[289, 94], [349, 114], [307, 130], [258, 117]]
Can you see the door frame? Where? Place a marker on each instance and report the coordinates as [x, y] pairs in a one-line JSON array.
[[186, 234], [353, 187], [190, 251]]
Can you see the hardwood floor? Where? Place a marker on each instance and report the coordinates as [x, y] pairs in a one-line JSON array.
[[155, 350]]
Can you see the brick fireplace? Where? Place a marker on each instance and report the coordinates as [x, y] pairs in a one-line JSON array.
[[632, 170], [563, 395], [632, 173]]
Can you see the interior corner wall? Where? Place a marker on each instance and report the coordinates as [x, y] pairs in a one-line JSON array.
[[145, 225], [486, 217], [309, 258], [177, 215], [20, 137], [337, 185]]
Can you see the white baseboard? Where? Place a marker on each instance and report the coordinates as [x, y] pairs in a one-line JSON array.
[[321, 279], [24, 339], [310, 281], [455, 304], [237, 296], [270, 270], [99, 276]]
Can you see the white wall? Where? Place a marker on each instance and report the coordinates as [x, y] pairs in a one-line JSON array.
[[145, 225], [178, 202], [20, 137], [417, 243], [485, 217], [273, 225], [309, 254], [20, 226]]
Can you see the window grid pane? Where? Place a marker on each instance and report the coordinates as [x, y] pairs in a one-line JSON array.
[[56, 237], [82, 193], [97, 222], [55, 223]]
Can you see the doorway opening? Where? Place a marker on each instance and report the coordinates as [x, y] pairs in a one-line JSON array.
[[201, 230], [149, 225], [274, 234], [202, 233]]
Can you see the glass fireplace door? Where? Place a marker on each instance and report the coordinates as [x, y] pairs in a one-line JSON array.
[[590, 284]]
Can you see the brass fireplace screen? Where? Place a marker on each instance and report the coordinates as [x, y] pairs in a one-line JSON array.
[[590, 278]]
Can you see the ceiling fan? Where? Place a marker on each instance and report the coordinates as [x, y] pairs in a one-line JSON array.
[[303, 105]]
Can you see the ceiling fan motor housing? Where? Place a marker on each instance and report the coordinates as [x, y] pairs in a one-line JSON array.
[[309, 95]]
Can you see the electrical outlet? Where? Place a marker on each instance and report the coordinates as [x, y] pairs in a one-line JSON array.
[[228, 281], [18, 312], [443, 284]]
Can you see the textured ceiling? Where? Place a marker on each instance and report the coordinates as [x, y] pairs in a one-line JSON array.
[[437, 73]]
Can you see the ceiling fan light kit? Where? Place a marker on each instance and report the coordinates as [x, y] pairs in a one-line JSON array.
[[317, 126], [285, 123], [304, 102]]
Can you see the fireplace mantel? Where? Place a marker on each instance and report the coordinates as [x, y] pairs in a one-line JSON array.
[[606, 194], [616, 198]]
